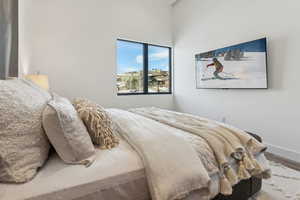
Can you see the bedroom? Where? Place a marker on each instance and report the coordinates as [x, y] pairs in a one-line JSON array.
[[74, 44]]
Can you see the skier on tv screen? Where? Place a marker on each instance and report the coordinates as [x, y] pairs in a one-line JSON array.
[[219, 68]]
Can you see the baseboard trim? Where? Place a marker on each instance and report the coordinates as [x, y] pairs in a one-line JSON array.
[[276, 153]]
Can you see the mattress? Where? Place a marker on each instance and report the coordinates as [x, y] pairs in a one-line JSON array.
[[116, 174]]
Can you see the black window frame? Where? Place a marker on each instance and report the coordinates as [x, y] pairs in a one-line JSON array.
[[146, 69]]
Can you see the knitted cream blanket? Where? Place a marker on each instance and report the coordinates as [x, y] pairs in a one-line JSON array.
[[165, 156], [225, 141]]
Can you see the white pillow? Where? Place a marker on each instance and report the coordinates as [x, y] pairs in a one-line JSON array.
[[23, 144], [67, 133]]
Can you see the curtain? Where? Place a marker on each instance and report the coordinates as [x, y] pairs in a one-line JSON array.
[[8, 38]]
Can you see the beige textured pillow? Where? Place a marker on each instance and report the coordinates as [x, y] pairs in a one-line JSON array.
[[98, 122], [67, 133], [23, 144]]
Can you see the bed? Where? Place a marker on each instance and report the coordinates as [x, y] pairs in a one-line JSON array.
[[117, 174], [162, 155]]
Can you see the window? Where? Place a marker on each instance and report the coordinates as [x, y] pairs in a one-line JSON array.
[[143, 68]]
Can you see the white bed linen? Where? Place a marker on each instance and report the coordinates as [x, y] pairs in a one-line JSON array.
[[116, 174], [58, 177]]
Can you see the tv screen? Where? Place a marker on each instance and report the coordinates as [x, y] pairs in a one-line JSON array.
[[239, 66]]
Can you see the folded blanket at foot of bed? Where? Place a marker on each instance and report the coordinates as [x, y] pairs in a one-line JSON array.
[[168, 142], [165, 156]]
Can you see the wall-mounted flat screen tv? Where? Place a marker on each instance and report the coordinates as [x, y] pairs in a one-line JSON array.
[[239, 66]]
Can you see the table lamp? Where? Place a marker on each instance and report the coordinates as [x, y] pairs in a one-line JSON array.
[[39, 79]]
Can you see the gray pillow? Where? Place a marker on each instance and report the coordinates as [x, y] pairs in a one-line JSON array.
[[23, 144], [67, 133]]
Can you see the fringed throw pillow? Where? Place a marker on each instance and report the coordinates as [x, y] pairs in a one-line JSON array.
[[98, 123]]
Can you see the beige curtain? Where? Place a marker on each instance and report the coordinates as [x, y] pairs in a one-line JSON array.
[[8, 38]]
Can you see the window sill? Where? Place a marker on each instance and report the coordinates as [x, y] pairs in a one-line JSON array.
[[130, 94]]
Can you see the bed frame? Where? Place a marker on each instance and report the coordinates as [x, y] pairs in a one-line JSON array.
[[246, 188]]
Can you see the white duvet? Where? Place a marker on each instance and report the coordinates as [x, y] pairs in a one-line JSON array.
[[177, 162]]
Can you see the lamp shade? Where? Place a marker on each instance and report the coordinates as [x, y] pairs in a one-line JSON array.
[[40, 80]]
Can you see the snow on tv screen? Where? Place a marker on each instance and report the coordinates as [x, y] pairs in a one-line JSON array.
[[238, 66]]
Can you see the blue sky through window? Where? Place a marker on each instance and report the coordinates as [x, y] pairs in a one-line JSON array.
[[130, 57], [158, 58]]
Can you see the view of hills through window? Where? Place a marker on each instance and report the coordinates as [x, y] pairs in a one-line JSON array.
[[130, 67], [158, 69], [130, 73]]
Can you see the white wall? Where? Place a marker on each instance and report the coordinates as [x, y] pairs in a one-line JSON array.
[[202, 25], [74, 43]]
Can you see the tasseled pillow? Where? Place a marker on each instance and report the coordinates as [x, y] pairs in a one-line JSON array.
[[98, 123]]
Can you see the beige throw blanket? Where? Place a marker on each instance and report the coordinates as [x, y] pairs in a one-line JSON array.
[[224, 140], [165, 156]]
